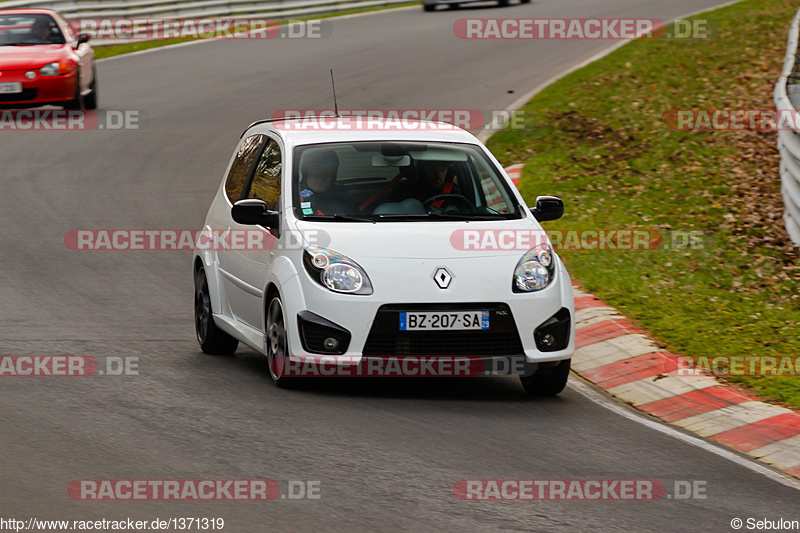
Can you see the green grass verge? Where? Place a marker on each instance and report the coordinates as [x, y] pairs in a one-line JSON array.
[[598, 139], [103, 51]]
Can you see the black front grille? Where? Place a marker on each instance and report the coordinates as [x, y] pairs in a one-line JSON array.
[[386, 339], [444, 343], [25, 96]]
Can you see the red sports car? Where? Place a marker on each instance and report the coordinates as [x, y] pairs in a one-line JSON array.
[[43, 61]]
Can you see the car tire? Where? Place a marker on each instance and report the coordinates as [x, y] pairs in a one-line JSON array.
[[455, 6], [502, 3], [77, 101], [524, 1], [277, 342], [212, 340], [429, 7], [548, 381], [91, 99]]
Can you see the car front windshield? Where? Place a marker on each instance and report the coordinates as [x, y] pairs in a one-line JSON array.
[[393, 181], [29, 30]]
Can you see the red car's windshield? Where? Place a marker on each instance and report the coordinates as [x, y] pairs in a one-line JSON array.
[[29, 30]]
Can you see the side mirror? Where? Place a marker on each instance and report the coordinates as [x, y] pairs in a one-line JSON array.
[[254, 212], [83, 38], [548, 208]]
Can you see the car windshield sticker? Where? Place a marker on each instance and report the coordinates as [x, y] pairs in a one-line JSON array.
[[305, 204], [306, 193], [307, 211]]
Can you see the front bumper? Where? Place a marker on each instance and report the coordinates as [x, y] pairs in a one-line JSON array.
[[389, 351], [372, 323], [42, 90]]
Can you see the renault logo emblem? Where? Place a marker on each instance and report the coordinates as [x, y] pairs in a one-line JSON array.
[[442, 278]]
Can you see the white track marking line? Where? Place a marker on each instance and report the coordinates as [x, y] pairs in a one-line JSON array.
[[588, 392]]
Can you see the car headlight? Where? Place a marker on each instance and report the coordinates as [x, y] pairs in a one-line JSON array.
[[50, 69], [336, 272], [535, 270]]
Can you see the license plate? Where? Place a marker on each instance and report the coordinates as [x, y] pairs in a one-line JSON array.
[[439, 321], [15, 87]]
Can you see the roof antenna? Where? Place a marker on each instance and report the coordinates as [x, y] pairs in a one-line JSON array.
[[335, 105]]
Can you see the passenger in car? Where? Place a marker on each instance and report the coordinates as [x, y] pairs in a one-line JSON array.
[[318, 185]]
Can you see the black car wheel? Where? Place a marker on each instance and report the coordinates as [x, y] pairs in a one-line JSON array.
[[547, 381], [91, 99], [277, 343], [212, 339]]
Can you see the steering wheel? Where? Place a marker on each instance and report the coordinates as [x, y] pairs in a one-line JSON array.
[[446, 196]]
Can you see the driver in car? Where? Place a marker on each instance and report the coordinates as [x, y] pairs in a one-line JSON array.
[[40, 31], [320, 193], [434, 179]]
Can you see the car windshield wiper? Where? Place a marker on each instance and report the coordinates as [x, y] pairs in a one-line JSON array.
[[449, 216], [459, 216], [427, 216], [339, 217], [401, 217], [350, 218]]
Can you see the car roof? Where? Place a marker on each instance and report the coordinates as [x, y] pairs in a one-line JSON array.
[[25, 11], [351, 129]]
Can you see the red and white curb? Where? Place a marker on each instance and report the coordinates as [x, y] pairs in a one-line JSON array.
[[613, 354], [515, 173]]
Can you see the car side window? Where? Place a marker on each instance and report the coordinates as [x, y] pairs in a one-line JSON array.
[[266, 183], [242, 166]]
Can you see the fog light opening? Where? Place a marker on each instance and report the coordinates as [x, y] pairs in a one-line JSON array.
[[331, 343], [553, 334]]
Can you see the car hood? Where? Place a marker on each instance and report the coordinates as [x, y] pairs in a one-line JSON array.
[[36, 56], [424, 240]]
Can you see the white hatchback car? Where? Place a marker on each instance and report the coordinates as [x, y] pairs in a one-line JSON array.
[[359, 244]]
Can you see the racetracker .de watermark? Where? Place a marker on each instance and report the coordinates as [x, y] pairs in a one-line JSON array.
[[407, 366], [153, 29], [734, 365], [732, 119], [619, 239], [192, 490], [190, 240], [579, 29], [577, 490], [397, 119], [72, 120], [67, 366]]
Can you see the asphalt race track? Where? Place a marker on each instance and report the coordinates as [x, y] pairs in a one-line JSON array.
[[386, 453]]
